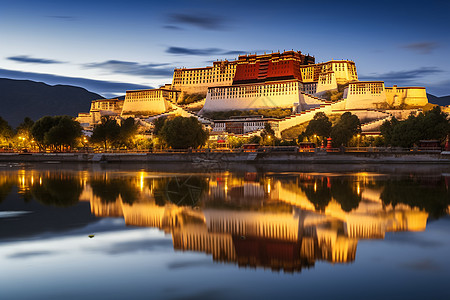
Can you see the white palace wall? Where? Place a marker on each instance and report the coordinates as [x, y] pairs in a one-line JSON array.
[[414, 96], [365, 94], [257, 96], [145, 101]]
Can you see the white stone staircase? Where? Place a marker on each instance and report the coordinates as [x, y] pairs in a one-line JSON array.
[[307, 115]]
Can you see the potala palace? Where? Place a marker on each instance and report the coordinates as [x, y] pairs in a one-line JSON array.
[[277, 80]]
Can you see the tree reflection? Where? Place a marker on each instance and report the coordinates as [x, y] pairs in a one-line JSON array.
[[343, 192], [108, 190], [318, 194], [58, 191], [433, 197], [179, 190], [5, 189]]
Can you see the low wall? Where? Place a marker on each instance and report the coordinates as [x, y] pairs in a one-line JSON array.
[[225, 157]]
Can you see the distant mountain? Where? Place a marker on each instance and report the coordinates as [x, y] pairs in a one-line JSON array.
[[442, 101], [25, 98]]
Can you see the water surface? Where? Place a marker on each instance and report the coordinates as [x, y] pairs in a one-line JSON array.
[[224, 232]]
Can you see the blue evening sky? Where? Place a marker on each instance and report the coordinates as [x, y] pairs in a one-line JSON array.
[[110, 46]]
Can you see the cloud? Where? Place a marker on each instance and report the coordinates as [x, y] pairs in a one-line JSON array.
[[172, 27], [22, 255], [439, 88], [134, 68], [422, 48], [421, 265], [198, 20], [28, 59], [104, 88], [202, 52], [138, 246], [410, 239], [184, 264], [402, 75]]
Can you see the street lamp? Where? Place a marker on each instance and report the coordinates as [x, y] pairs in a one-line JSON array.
[[358, 136]]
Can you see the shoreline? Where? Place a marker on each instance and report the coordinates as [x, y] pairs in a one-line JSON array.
[[413, 157]]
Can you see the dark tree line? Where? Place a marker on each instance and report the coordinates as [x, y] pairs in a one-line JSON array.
[[180, 132], [341, 133], [109, 133], [56, 132], [430, 125]]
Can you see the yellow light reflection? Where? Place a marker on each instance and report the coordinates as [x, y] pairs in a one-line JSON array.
[[141, 182]]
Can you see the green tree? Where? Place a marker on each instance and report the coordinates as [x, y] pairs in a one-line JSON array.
[[106, 133], [319, 126], [65, 132], [6, 132], [40, 128], [432, 124], [267, 135], [158, 125], [181, 133], [347, 126], [128, 130]]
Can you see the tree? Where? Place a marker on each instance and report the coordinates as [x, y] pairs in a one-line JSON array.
[[65, 132], [106, 133], [23, 132], [6, 132], [347, 126], [267, 135], [181, 133], [158, 125], [40, 128], [432, 124], [56, 131], [128, 130], [320, 126]]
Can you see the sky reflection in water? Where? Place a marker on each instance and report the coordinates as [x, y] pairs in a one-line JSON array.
[[229, 234]]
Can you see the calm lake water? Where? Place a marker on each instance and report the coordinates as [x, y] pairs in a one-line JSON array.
[[224, 232]]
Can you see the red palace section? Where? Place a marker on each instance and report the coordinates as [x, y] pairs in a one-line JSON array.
[[270, 67]]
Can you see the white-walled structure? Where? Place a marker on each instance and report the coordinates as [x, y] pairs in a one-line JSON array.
[[148, 102]]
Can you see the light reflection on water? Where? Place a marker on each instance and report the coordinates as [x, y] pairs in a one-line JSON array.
[[203, 235]]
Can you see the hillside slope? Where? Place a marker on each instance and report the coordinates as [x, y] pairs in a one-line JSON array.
[[25, 98], [442, 101]]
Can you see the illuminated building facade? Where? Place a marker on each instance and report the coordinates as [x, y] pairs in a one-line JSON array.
[[148, 102], [277, 80], [100, 108]]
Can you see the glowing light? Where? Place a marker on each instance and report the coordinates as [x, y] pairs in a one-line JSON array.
[[141, 183], [315, 187], [358, 189]]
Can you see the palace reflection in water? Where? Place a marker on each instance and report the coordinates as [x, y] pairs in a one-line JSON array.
[[265, 220]]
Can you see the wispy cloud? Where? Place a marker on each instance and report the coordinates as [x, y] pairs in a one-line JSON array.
[[104, 88], [28, 254], [172, 27], [134, 68], [202, 52], [402, 76], [422, 47], [33, 60], [208, 22], [421, 265]]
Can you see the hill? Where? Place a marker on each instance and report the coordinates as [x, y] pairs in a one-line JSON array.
[[442, 101], [25, 98]]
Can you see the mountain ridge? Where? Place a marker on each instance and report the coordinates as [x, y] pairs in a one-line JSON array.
[[27, 98], [441, 101]]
